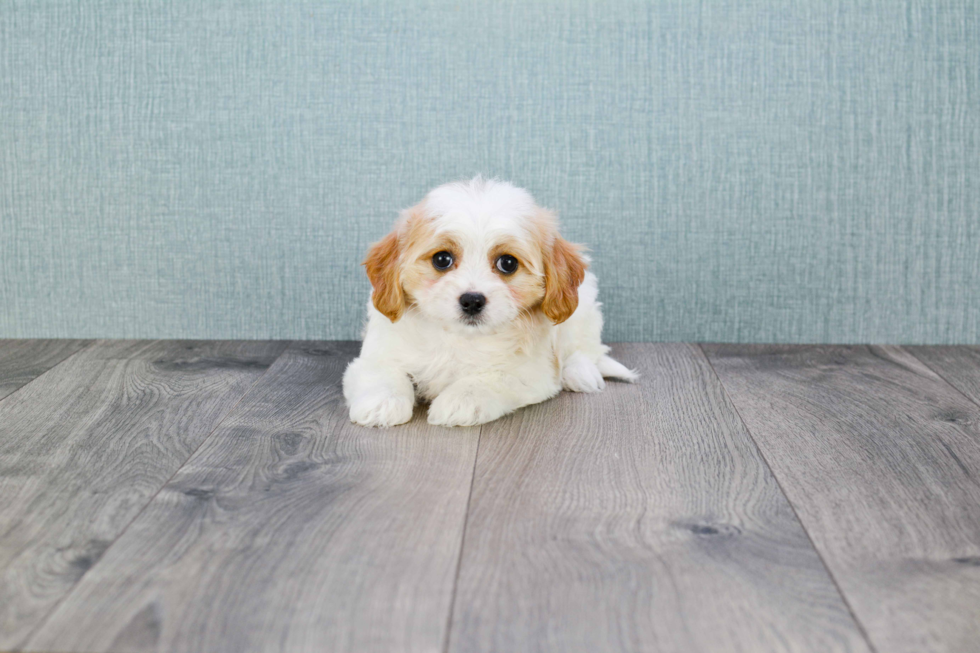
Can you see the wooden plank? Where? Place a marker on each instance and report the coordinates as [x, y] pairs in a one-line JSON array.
[[290, 530], [84, 447], [638, 519], [881, 460], [21, 361], [959, 366]]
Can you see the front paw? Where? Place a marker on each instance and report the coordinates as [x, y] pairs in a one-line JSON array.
[[464, 407], [381, 409]]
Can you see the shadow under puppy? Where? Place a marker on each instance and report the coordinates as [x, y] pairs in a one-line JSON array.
[[479, 307]]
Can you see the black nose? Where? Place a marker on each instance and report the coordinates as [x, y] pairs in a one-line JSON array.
[[472, 302]]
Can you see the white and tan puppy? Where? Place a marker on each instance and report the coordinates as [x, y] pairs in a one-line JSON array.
[[479, 307]]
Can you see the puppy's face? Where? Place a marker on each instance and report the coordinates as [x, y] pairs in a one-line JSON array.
[[476, 256]]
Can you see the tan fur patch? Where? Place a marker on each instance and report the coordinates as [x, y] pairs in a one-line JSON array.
[[564, 273], [564, 268], [383, 269], [527, 283], [421, 244]]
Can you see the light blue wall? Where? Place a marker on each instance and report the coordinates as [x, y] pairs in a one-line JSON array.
[[743, 170]]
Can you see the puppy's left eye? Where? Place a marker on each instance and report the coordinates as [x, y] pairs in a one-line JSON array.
[[507, 264]]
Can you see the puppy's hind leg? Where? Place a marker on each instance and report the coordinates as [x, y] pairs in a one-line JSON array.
[[580, 340], [579, 374]]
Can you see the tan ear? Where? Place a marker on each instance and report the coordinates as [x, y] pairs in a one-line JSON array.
[[564, 271], [382, 265]]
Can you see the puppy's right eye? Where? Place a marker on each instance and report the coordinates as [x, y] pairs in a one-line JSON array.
[[442, 260]]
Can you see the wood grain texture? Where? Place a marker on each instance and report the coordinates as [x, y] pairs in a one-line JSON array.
[[958, 366], [84, 447], [880, 458], [21, 361], [290, 530], [638, 519]]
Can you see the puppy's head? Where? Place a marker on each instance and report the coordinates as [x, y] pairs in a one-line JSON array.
[[476, 256]]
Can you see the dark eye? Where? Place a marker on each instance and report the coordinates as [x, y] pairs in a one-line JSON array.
[[442, 260], [507, 264]]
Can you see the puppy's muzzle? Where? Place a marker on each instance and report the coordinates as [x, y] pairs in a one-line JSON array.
[[472, 302]]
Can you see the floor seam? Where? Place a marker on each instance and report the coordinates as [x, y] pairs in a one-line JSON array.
[[462, 545], [118, 537], [830, 573], [64, 360], [911, 353]]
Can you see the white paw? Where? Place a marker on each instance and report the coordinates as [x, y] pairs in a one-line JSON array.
[[581, 375], [464, 407], [381, 409]]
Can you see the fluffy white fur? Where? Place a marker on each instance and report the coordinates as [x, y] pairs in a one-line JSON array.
[[539, 331]]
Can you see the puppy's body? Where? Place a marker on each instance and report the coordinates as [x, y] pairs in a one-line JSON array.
[[476, 339]]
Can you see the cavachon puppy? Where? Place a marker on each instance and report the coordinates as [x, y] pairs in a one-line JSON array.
[[479, 307]]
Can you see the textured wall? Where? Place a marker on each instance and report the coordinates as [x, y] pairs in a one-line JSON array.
[[743, 170]]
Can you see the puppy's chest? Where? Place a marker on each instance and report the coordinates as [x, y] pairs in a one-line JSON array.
[[440, 361]]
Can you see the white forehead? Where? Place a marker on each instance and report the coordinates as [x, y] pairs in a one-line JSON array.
[[480, 207]]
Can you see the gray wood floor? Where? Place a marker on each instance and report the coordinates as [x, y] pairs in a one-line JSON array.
[[213, 496]]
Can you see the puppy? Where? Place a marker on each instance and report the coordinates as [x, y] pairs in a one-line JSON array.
[[479, 307]]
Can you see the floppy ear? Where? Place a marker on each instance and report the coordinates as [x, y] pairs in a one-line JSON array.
[[382, 265], [564, 271]]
